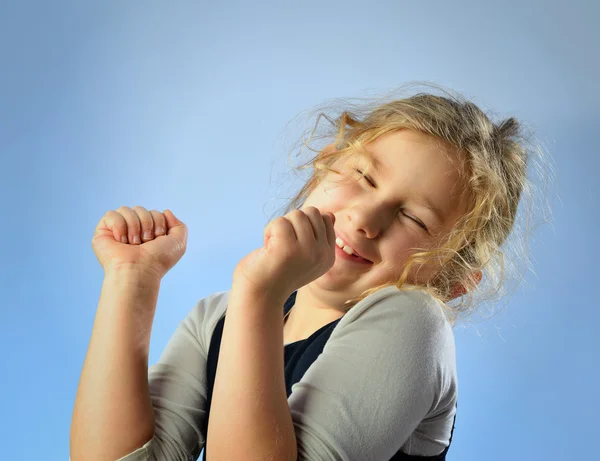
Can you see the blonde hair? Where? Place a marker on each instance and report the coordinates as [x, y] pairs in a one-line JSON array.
[[496, 158]]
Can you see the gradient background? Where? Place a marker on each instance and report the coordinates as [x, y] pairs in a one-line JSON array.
[[183, 105]]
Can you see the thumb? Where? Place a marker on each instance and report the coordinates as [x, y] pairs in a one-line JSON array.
[[175, 227]]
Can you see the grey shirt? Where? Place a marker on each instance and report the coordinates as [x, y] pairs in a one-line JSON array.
[[386, 380]]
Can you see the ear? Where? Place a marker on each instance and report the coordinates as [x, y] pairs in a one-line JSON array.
[[459, 289]]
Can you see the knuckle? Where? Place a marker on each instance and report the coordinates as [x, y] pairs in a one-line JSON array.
[[140, 211], [280, 222], [115, 220]]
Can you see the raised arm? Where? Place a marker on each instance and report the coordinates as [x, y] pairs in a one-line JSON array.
[[113, 412], [117, 388]]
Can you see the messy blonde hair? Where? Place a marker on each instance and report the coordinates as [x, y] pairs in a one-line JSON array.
[[495, 161]]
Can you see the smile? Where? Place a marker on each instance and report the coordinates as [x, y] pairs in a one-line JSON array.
[[347, 253]]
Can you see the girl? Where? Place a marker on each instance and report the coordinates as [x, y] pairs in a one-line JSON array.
[[335, 341]]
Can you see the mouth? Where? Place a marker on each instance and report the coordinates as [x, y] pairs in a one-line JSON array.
[[341, 254], [346, 252]]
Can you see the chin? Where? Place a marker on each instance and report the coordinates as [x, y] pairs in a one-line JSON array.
[[331, 281]]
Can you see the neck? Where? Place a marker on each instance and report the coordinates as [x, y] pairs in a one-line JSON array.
[[314, 308]]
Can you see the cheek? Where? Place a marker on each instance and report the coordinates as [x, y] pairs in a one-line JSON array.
[[405, 243], [331, 195], [397, 253], [419, 272]]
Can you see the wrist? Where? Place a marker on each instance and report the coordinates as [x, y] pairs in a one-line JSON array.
[[257, 296], [126, 309], [132, 275]]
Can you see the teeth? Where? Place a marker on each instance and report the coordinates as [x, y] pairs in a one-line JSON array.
[[346, 248]]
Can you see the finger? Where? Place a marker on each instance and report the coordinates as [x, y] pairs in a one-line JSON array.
[[302, 226], [146, 222], [316, 220], [283, 228], [160, 223], [117, 224], [133, 224], [329, 220], [175, 227]]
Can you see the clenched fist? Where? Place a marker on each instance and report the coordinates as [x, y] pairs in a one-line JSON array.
[[147, 241], [298, 248]]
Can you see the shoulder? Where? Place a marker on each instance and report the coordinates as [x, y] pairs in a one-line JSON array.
[[402, 309], [407, 328], [388, 370]]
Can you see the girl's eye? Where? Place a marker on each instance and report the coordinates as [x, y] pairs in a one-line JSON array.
[[412, 218], [417, 221], [369, 180]]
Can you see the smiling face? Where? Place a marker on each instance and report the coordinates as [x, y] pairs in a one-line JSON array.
[[416, 196]]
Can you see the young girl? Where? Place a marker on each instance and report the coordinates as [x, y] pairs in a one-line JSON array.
[[335, 341]]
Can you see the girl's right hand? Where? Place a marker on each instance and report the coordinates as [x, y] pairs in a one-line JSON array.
[[154, 254]]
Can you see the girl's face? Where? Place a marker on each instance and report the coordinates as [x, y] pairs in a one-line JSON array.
[[416, 198]]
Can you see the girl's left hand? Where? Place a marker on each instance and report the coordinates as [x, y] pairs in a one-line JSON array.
[[298, 248]]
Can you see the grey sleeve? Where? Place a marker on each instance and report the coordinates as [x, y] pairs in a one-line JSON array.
[[178, 387], [388, 364], [384, 368]]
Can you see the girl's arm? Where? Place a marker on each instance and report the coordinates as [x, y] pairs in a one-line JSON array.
[[117, 387], [113, 412], [250, 417]]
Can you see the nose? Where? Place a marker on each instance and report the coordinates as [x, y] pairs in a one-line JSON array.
[[369, 219]]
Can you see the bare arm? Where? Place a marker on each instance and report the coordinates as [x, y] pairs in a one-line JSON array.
[[250, 384], [113, 412]]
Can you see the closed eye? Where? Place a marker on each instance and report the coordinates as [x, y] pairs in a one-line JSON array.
[[419, 223], [416, 220], [369, 180]]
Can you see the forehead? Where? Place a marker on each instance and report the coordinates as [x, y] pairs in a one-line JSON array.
[[413, 146]]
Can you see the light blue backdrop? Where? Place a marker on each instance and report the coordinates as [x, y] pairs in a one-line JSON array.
[[182, 105]]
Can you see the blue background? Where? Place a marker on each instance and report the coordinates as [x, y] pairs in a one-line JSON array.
[[183, 105]]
